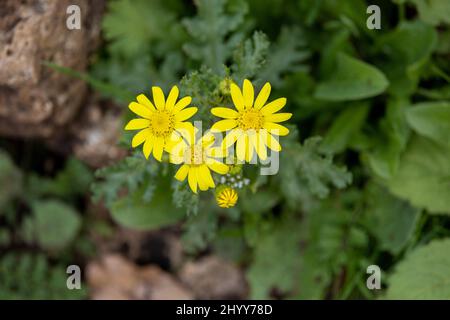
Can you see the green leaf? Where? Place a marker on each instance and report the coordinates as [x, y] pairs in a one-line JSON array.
[[73, 180], [54, 224], [423, 274], [392, 221], [423, 176], [315, 172], [406, 51], [132, 25], [432, 120], [353, 80], [250, 56], [344, 128], [215, 30], [134, 213], [287, 55], [390, 143], [11, 177], [276, 259], [433, 12]]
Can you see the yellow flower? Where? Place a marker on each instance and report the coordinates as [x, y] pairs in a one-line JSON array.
[[226, 197], [198, 158], [160, 122], [254, 123]]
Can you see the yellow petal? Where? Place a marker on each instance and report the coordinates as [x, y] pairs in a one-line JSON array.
[[207, 139], [172, 141], [236, 96], [217, 166], [182, 172], [137, 124], [250, 148], [263, 96], [177, 152], [140, 110], [278, 117], [185, 114], [261, 148], [172, 98], [158, 148], [216, 152], [183, 103], [231, 138], [256, 141], [202, 182], [273, 143], [158, 98], [148, 146], [249, 93], [187, 131], [206, 175], [224, 125], [273, 106], [192, 179], [140, 137], [276, 129], [142, 99], [226, 113], [241, 147]]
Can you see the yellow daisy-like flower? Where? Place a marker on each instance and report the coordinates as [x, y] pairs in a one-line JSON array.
[[254, 123], [198, 158], [160, 122], [227, 197]]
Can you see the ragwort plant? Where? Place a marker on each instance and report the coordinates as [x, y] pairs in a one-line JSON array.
[[379, 99]]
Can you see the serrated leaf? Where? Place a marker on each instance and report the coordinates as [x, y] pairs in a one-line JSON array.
[[432, 120], [423, 274], [353, 80], [423, 177]]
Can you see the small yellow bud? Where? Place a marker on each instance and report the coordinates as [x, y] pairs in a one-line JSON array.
[[226, 197]]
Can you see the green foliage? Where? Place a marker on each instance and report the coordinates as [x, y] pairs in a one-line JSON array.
[[426, 162], [433, 12], [314, 169], [30, 276], [378, 97], [276, 235], [53, 225], [9, 176], [392, 221], [432, 120], [38, 223], [352, 80], [215, 31], [423, 274]]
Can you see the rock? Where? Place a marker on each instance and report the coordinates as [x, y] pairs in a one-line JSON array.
[[214, 278], [36, 101], [114, 277], [93, 135]]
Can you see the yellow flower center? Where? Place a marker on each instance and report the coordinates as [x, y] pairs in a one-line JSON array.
[[195, 155], [250, 119], [227, 198], [162, 123]]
